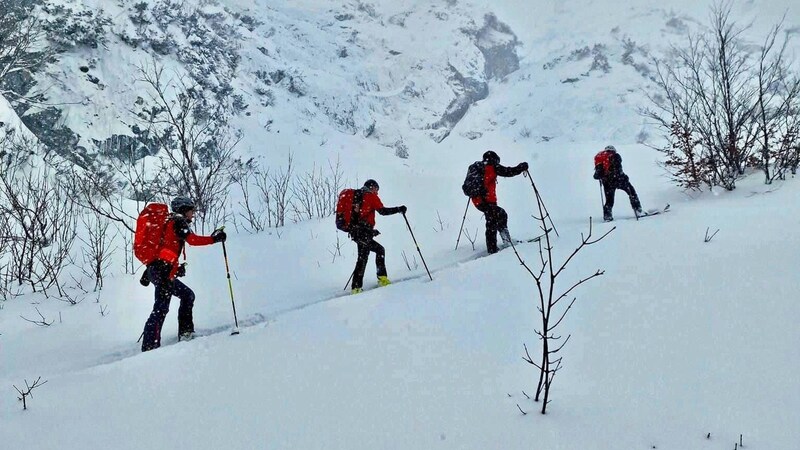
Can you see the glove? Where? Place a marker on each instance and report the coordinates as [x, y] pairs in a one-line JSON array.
[[219, 236], [145, 279], [523, 166], [375, 233], [402, 209], [181, 271], [598, 172]]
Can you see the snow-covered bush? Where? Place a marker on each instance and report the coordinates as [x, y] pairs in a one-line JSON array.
[[69, 27]]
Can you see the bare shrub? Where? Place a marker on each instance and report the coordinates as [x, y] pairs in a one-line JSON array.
[[41, 224], [315, 192], [97, 248], [255, 214], [724, 108], [279, 186], [28, 391], [552, 312]]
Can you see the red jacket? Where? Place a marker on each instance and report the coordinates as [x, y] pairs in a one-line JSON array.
[[490, 175], [176, 235], [369, 204]]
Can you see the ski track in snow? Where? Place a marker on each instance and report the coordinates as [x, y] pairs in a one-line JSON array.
[[258, 319]]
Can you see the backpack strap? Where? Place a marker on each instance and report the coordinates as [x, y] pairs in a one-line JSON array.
[[355, 212]]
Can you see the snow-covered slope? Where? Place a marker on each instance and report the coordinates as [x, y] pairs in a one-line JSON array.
[[681, 344], [666, 347]]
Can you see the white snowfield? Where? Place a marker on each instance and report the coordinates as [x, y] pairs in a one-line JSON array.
[[681, 344]]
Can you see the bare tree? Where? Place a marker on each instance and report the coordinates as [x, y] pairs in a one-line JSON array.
[[279, 186], [550, 307], [778, 100], [116, 189], [685, 160], [710, 99], [254, 214], [97, 248], [195, 143], [23, 48], [60, 223]]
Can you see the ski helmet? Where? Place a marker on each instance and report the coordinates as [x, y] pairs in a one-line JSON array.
[[491, 158], [371, 185], [180, 205], [610, 148]]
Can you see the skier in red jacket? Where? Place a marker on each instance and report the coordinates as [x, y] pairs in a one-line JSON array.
[[363, 232], [608, 170], [163, 272], [496, 217]]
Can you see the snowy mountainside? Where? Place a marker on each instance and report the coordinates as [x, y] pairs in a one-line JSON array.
[[307, 68], [680, 344], [585, 66]]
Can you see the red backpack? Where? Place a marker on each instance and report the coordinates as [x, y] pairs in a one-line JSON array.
[[604, 158], [149, 236], [347, 207]]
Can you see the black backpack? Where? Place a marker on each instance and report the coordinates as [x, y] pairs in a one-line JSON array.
[[473, 184]]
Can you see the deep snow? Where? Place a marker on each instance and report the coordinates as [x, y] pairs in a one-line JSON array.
[[678, 339]]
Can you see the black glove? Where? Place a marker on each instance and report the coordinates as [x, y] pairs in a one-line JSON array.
[[219, 236], [402, 209], [598, 172], [523, 166], [181, 270], [375, 233], [145, 280]]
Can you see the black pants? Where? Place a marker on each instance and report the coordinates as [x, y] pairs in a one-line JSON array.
[[158, 274], [366, 244], [623, 183], [496, 220]]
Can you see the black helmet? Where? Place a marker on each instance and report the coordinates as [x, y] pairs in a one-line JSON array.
[[180, 205], [491, 158], [371, 184]]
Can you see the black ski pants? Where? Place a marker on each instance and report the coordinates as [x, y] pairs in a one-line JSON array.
[[496, 220], [623, 183], [365, 239], [158, 273]]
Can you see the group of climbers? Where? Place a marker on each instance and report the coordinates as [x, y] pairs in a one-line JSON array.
[[355, 215]]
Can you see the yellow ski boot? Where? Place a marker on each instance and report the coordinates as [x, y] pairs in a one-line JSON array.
[[356, 291], [383, 281]]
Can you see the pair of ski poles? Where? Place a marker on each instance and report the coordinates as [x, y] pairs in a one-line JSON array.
[[538, 198], [418, 251]]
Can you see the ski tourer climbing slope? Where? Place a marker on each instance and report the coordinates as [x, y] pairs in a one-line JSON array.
[[355, 214], [481, 186], [608, 170], [163, 269]]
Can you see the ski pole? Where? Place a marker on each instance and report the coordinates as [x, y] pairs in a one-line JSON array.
[[417, 245], [230, 287], [462, 224], [539, 198], [602, 198], [348, 280]]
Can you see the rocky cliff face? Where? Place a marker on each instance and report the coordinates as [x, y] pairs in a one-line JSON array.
[[379, 70]]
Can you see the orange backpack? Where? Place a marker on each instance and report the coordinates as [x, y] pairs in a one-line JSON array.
[[149, 236]]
